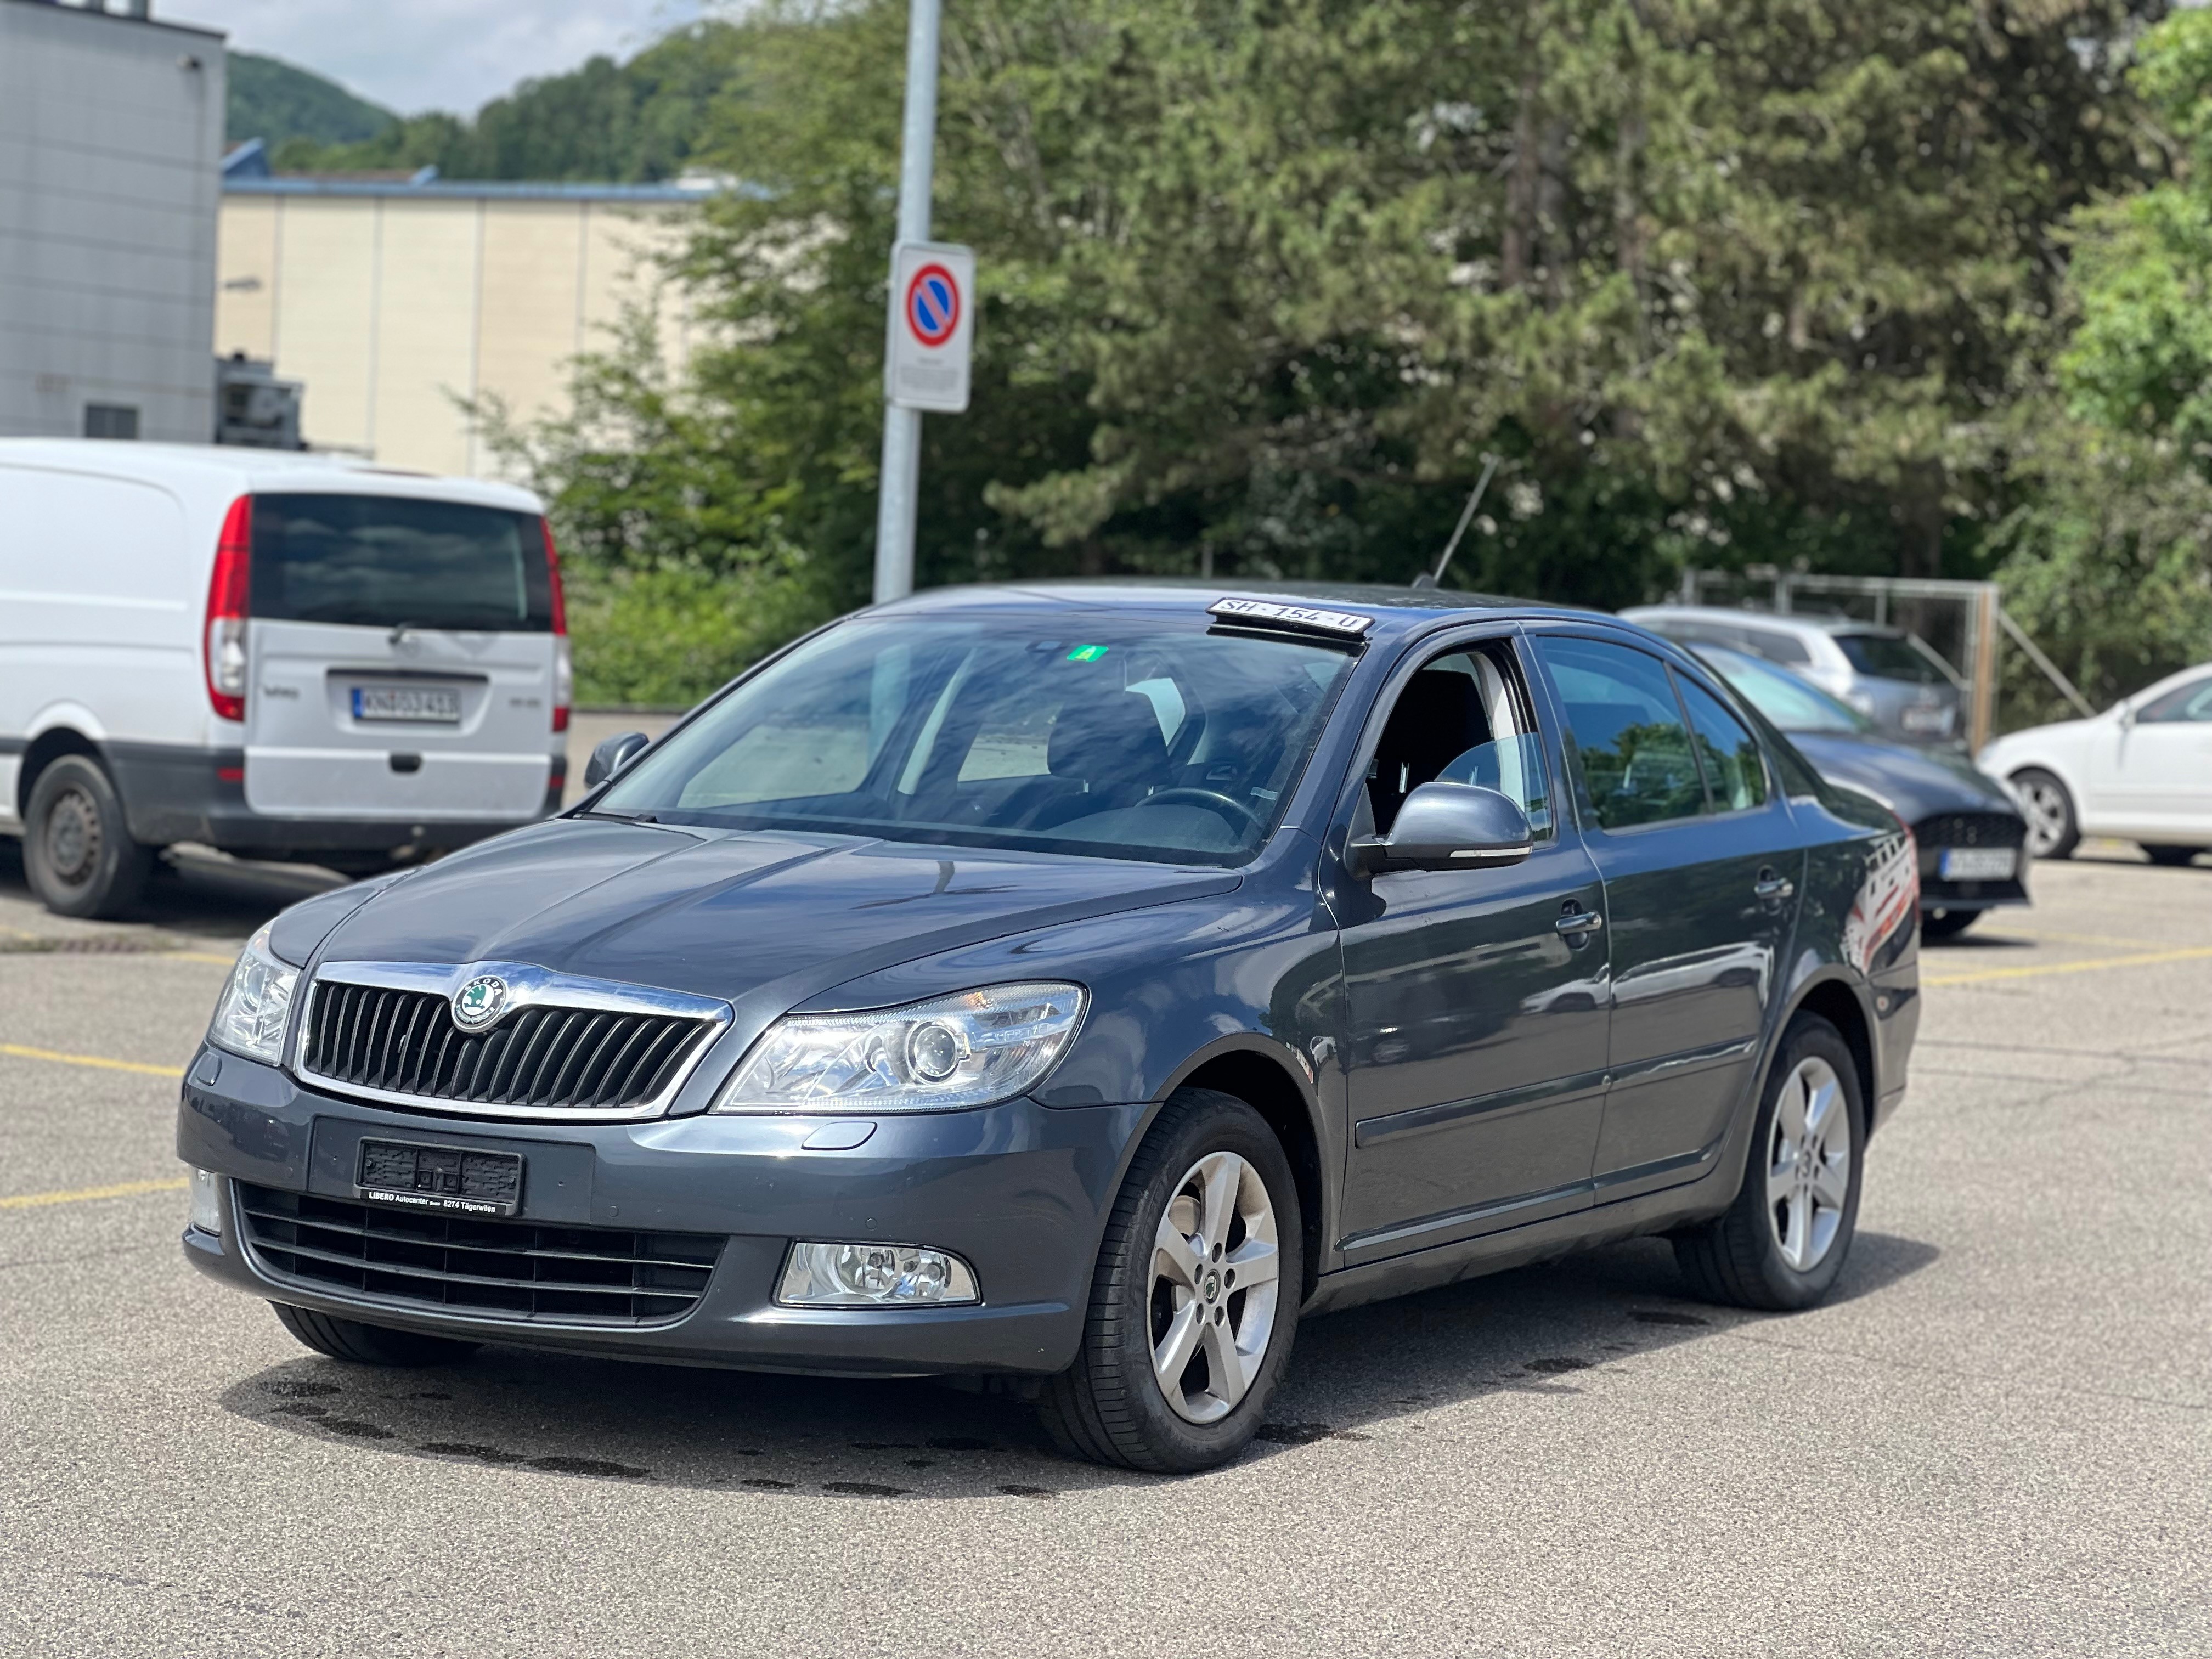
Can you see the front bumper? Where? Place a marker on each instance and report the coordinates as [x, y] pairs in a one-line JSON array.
[[1021, 1191]]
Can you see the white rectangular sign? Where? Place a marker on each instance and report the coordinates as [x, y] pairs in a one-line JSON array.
[[932, 321]]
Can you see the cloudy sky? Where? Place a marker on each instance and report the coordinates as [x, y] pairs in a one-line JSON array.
[[414, 55]]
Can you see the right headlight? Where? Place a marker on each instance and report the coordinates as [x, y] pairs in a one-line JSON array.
[[975, 1048], [250, 1019]]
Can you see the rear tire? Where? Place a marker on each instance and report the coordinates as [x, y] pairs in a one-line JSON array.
[[77, 850], [1947, 924], [1782, 1244], [1208, 1187], [370, 1345], [2053, 829], [2171, 857]]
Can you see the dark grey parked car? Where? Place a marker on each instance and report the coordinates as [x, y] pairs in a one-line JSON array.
[[1081, 983], [1971, 834]]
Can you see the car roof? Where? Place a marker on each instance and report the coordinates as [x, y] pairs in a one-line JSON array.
[[1650, 615], [243, 469], [1395, 609]]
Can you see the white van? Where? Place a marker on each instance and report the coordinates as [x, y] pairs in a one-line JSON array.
[[282, 656]]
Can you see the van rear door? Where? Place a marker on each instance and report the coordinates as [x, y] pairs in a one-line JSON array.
[[402, 654]]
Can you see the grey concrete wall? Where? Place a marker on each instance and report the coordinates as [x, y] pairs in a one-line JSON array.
[[110, 148]]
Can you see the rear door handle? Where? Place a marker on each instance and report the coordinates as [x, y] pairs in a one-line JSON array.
[[1772, 886], [1580, 922]]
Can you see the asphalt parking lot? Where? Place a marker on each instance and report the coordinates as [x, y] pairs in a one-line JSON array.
[[1996, 1440]]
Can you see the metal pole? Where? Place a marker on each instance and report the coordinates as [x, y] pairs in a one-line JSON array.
[[1983, 637], [900, 473]]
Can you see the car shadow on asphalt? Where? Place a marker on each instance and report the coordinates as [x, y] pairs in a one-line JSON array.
[[197, 893], [1550, 1332]]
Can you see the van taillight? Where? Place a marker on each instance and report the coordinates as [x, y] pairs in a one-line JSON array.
[[228, 587], [564, 675]]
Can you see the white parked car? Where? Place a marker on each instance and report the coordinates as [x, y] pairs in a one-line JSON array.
[[2141, 770], [281, 656]]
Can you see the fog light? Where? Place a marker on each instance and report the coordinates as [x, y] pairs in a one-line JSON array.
[[206, 1212], [874, 1276]]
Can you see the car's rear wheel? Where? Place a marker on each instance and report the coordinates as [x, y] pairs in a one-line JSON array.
[[1195, 1300], [1947, 924], [369, 1345], [2053, 831], [77, 849], [1783, 1242], [2170, 855]]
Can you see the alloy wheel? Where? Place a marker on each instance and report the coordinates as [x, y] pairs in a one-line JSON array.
[[73, 837], [1809, 1165], [1216, 1273], [2048, 815]]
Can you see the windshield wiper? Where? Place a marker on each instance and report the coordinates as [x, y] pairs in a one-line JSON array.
[[618, 815]]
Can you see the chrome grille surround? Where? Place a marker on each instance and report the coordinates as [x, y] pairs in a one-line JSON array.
[[528, 987]]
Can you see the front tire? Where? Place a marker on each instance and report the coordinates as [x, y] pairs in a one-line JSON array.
[[1194, 1301], [370, 1345], [1782, 1244], [2173, 857], [77, 850], [2053, 830], [1947, 924]]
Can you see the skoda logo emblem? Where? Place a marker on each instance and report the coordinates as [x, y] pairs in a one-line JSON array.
[[479, 1002]]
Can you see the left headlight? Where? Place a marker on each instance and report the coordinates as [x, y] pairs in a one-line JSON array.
[[249, 1020], [975, 1048]]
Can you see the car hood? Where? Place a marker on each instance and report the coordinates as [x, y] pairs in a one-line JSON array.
[[726, 913], [1913, 782]]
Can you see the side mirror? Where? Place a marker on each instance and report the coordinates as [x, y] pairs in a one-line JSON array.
[[611, 756], [1447, 826]]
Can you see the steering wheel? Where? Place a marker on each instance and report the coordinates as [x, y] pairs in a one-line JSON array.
[[1240, 816]]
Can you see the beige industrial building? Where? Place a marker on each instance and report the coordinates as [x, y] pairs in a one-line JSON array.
[[396, 303]]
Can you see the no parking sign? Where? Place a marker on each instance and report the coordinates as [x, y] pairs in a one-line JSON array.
[[931, 323]]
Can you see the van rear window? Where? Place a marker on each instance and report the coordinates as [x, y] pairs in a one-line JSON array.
[[382, 560]]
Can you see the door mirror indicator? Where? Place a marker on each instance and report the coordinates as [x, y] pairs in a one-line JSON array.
[[1447, 826], [611, 756]]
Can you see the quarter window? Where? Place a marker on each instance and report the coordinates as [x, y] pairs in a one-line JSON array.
[[1636, 762], [1734, 772]]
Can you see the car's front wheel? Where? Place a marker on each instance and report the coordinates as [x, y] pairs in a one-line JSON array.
[[2053, 831], [369, 1345], [1781, 1245], [1947, 924], [1195, 1299]]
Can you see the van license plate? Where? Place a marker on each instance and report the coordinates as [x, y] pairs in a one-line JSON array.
[[1928, 718], [1977, 863], [448, 1180], [436, 705]]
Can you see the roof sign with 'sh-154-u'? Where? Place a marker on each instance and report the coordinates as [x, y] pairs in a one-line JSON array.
[[1261, 613]]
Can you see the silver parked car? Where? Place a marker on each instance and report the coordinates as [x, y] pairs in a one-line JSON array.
[[1893, 677]]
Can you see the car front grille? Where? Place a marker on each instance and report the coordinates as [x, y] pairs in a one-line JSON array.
[[1970, 829], [509, 1269], [405, 1042]]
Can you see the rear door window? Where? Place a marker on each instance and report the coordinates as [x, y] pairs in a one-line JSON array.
[[1887, 657], [1776, 646], [1637, 764], [394, 560]]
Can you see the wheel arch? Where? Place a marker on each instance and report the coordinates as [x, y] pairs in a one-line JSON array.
[[1837, 1000], [1264, 1076], [43, 750]]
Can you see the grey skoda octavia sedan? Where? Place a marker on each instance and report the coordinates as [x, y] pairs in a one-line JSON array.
[[1081, 984]]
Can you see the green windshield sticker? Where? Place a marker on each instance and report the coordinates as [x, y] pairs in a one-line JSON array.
[[1087, 654]]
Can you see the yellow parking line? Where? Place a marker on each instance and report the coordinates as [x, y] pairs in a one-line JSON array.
[[121, 1189], [2197, 954], [21, 1051]]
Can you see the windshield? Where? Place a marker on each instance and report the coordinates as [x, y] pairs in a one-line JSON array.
[[1780, 695], [1145, 739], [1888, 657], [380, 561]]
